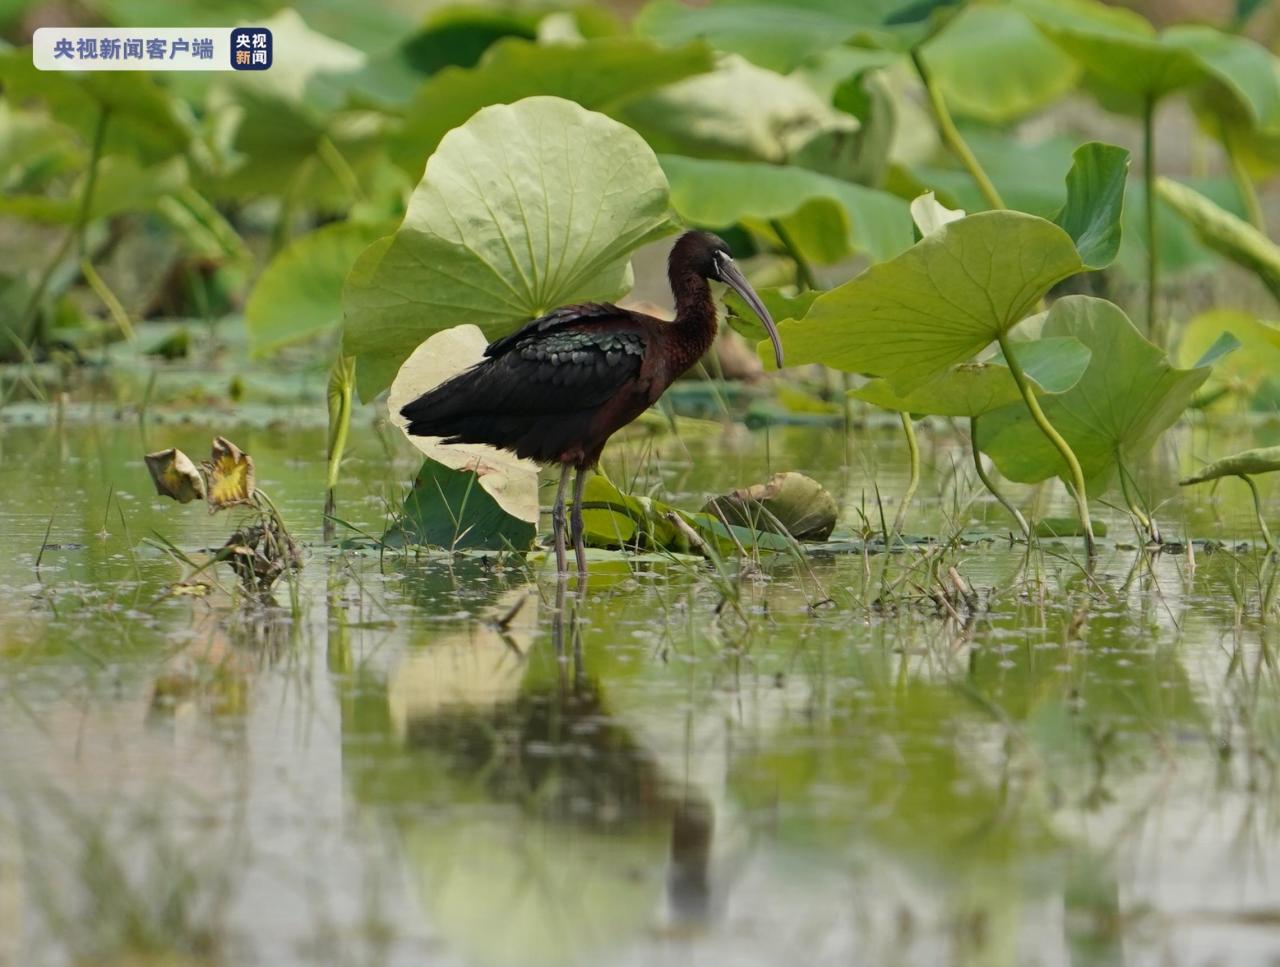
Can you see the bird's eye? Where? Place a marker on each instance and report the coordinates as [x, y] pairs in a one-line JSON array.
[[718, 259]]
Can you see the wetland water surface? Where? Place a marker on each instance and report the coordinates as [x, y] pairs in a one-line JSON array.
[[420, 764]]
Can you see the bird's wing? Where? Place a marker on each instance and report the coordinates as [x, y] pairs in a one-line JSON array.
[[572, 368], [579, 316], [564, 367]]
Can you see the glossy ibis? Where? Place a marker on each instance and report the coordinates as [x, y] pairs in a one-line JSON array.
[[558, 388]]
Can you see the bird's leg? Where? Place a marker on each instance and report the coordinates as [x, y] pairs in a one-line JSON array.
[[575, 526], [557, 522]]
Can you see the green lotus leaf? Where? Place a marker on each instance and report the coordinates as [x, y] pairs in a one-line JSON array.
[[596, 73], [1095, 202], [781, 305], [938, 303], [1241, 373], [299, 294], [826, 218], [524, 208], [1115, 45], [142, 118], [1246, 70], [122, 185], [1225, 233], [1260, 460], [1022, 71], [776, 35], [971, 389], [738, 111], [1129, 395]]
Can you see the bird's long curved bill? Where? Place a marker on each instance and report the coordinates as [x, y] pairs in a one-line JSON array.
[[737, 281]]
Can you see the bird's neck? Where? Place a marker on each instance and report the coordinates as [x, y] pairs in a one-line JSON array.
[[694, 329]]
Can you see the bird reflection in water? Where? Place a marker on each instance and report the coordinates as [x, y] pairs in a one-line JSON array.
[[541, 829]]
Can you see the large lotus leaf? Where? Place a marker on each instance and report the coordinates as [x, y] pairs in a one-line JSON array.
[[936, 304], [1115, 45], [35, 149], [1247, 70], [1095, 202], [1242, 374], [1021, 72], [299, 294], [738, 111], [776, 35], [526, 207], [971, 389], [1127, 398], [597, 74], [489, 494], [828, 219], [143, 119], [1224, 232], [122, 185], [1260, 460]]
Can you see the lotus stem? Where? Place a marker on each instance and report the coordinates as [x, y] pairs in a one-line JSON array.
[[913, 482], [1148, 524], [951, 134], [74, 236], [1257, 509], [1243, 183], [805, 279], [990, 484], [341, 385], [1054, 437], [1154, 332]]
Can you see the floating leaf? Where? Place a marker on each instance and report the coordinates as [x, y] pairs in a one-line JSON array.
[[524, 208], [1022, 72], [1225, 233], [509, 482], [1128, 397], [1095, 202], [175, 475], [737, 112], [230, 474], [1259, 460], [596, 74], [1067, 527], [611, 518], [938, 303], [827, 219], [299, 294], [971, 389], [797, 504]]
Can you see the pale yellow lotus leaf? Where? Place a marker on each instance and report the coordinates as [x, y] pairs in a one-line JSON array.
[[175, 475], [510, 481], [230, 473]]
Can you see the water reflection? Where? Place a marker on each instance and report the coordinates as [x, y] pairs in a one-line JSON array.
[[539, 828]]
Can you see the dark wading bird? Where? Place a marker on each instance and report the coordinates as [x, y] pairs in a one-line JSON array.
[[557, 389]]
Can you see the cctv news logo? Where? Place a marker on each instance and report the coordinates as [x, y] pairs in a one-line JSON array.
[[151, 49], [250, 48]]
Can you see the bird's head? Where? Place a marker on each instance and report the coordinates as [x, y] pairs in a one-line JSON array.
[[709, 256]]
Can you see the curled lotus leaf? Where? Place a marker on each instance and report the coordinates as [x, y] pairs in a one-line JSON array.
[[230, 474], [790, 501], [1258, 460], [175, 475]]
